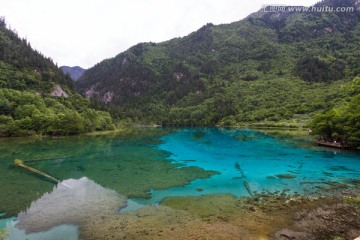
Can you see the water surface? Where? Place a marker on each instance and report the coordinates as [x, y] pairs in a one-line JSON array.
[[146, 165]]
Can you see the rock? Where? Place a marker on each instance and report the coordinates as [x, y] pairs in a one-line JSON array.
[[285, 176], [286, 234], [252, 209], [58, 92], [270, 177]]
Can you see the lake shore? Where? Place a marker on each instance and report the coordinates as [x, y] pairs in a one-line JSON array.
[[224, 216]]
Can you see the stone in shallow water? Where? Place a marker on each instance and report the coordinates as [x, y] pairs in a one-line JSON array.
[[323, 222], [83, 200], [271, 177], [341, 169], [328, 174], [198, 135], [285, 176], [158, 222], [206, 206]]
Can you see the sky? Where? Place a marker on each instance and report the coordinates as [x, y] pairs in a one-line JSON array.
[[85, 32]]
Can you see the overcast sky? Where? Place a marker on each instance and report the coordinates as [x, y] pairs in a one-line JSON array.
[[85, 32]]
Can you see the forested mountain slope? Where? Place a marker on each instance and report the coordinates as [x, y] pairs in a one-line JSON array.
[[36, 97], [267, 67], [342, 123]]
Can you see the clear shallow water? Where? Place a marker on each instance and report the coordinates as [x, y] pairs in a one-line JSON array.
[[261, 160], [150, 164]]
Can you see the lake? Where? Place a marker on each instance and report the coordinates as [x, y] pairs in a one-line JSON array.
[[136, 175]]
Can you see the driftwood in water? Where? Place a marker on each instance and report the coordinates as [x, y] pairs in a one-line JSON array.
[[21, 164], [48, 159]]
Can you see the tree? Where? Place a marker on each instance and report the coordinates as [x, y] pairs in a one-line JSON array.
[[5, 107], [341, 123]]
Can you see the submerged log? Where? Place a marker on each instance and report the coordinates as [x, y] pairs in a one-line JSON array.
[[20, 163], [247, 186]]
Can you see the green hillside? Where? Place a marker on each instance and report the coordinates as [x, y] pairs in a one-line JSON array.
[[269, 67], [36, 97], [341, 123]]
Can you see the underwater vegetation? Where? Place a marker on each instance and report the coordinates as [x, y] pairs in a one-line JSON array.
[[126, 162], [166, 184]]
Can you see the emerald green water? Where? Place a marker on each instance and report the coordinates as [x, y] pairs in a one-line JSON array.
[[128, 163], [146, 165]]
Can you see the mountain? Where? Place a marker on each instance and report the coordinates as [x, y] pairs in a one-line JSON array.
[[23, 68], [36, 97], [268, 67], [74, 72]]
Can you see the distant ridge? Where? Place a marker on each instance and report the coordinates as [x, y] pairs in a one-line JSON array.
[[74, 72]]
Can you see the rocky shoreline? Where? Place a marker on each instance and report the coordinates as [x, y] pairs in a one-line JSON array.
[[224, 216]]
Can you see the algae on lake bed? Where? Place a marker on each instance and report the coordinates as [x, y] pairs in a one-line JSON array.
[[224, 216], [285, 176], [207, 206], [19, 188], [157, 222], [135, 178], [126, 162]]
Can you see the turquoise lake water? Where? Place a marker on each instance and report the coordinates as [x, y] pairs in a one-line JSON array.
[[261, 159], [146, 165]]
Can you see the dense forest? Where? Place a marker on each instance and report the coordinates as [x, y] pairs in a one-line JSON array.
[[269, 69], [28, 104], [342, 122]]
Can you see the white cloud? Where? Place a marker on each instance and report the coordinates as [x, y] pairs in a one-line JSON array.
[[84, 32]]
